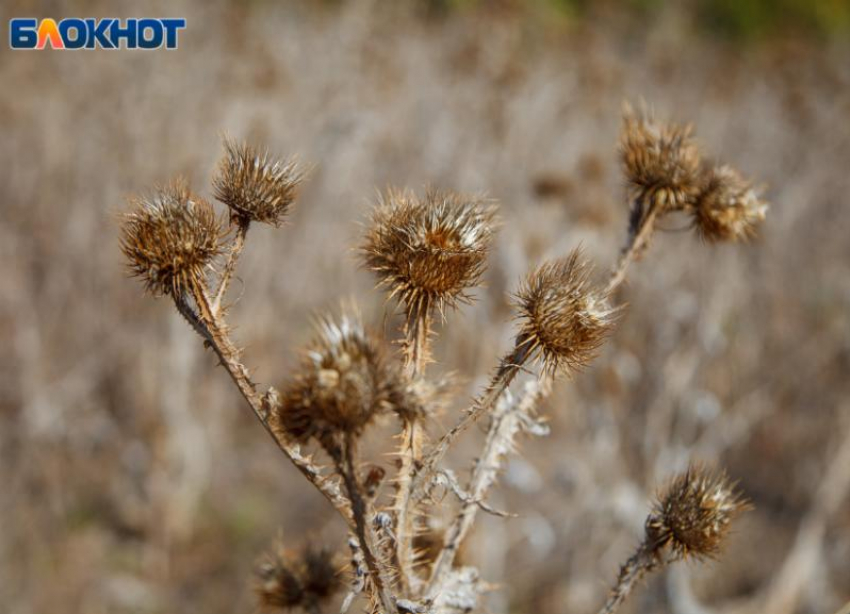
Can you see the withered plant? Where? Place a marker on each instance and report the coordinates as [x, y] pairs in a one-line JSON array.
[[428, 253]]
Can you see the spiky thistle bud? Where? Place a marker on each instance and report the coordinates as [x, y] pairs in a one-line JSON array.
[[255, 186], [288, 579], [728, 208], [428, 252], [693, 514], [170, 238], [344, 381], [690, 519], [564, 319], [661, 161]]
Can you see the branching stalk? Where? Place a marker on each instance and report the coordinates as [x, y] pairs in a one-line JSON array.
[[219, 341], [499, 383], [506, 424]]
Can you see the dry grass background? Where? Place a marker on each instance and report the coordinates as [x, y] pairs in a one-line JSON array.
[[135, 481]]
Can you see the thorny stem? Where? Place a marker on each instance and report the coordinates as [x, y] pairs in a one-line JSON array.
[[185, 310], [236, 247], [507, 371], [645, 560], [219, 341], [347, 467], [641, 228], [416, 351], [503, 428]]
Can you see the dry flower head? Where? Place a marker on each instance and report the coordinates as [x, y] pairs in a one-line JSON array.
[[170, 238], [344, 381], [661, 161], [693, 514], [430, 251], [564, 319], [729, 208], [255, 186]]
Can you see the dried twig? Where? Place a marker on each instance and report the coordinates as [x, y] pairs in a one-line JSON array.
[[507, 422]]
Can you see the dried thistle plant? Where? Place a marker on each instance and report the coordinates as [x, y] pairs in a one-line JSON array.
[[255, 186], [665, 172], [345, 380], [728, 208], [429, 253], [171, 239], [564, 319], [661, 161], [690, 520]]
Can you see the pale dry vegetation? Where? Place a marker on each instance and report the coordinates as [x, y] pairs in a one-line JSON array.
[[137, 483]]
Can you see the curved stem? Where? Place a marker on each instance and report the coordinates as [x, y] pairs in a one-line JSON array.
[[347, 467], [228, 355], [642, 227], [632, 572], [230, 267]]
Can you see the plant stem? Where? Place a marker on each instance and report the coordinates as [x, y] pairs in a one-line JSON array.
[[640, 231], [236, 247], [347, 467], [416, 352], [639, 564], [219, 341], [506, 423], [507, 371]]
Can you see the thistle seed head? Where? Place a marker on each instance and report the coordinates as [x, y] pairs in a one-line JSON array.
[[344, 381], [661, 161], [431, 251], [564, 319], [170, 238], [728, 208], [255, 186], [693, 514], [288, 579]]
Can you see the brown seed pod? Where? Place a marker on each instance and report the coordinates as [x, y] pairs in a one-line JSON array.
[[288, 579], [429, 252], [255, 186], [661, 161], [170, 238], [344, 381], [693, 514], [563, 318], [728, 208]]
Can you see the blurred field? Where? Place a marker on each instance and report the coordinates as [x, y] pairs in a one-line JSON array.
[[136, 481]]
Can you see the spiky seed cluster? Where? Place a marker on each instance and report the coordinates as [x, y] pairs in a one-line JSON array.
[[693, 514], [170, 238], [728, 208], [661, 161], [563, 318], [255, 186], [288, 579], [429, 252], [344, 381]]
